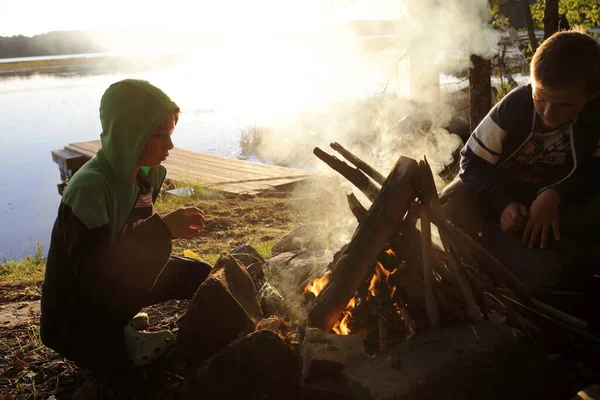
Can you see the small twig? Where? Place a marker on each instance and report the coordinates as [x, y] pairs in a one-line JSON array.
[[433, 312], [354, 175], [358, 210]]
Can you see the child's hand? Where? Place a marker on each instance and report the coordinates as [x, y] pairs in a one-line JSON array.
[[185, 222], [514, 217], [544, 216]]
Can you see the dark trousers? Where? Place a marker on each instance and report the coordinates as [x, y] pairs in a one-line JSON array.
[[567, 264], [97, 340]]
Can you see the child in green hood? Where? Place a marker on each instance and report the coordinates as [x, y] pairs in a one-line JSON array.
[[110, 255]]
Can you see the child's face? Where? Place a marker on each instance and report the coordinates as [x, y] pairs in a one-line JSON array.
[[159, 144], [557, 107]]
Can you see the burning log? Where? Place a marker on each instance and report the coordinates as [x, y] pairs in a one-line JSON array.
[[432, 307], [368, 241], [357, 162], [460, 279], [224, 307], [354, 175]]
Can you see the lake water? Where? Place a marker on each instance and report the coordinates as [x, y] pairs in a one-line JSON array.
[[221, 92]]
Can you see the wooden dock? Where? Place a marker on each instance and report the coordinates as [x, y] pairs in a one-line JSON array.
[[213, 172]]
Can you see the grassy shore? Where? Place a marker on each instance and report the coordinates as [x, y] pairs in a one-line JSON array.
[[232, 220], [52, 63]]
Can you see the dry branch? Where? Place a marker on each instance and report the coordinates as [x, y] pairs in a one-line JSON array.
[[354, 175], [433, 312], [357, 209], [360, 164]]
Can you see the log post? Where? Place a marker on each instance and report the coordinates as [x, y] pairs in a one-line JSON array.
[[356, 263]]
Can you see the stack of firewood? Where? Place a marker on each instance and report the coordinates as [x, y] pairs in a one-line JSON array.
[[461, 281]]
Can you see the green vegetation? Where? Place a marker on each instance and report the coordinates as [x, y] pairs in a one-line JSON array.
[[25, 271], [45, 64], [583, 13]]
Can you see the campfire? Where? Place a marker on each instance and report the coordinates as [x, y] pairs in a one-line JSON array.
[[391, 280]]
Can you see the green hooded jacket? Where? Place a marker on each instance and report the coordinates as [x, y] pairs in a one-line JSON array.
[[102, 192]]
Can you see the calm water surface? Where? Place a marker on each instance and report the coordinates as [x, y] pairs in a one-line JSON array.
[[42, 112]]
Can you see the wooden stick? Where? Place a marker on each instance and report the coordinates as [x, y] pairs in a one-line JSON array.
[[433, 312], [430, 202], [404, 313], [551, 311], [354, 175], [384, 341], [360, 164], [572, 328], [499, 272], [356, 262], [357, 209]]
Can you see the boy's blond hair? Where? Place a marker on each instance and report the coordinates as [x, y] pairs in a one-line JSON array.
[[567, 59]]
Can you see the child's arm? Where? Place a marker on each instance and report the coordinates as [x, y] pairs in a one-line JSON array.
[[486, 146], [478, 163]]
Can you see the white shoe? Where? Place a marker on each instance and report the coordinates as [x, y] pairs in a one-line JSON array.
[[140, 321], [144, 348]]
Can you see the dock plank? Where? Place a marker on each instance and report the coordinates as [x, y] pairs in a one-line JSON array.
[[214, 172]]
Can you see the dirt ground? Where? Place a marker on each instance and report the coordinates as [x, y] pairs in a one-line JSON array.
[[28, 370]]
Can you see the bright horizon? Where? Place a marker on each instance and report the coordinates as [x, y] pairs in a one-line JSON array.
[[34, 17]]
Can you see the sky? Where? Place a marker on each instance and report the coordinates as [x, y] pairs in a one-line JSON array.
[[32, 17]]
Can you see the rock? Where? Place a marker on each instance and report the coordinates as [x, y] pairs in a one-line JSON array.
[[297, 266], [253, 261], [304, 237], [271, 301], [224, 307], [339, 236], [325, 355], [273, 323], [290, 272], [470, 361], [259, 366]]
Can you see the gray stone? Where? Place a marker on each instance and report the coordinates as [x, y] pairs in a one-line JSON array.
[[471, 361], [260, 366], [224, 307], [253, 261], [290, 272], [340, 235], [304, 237], [328, 351], [271, 301]]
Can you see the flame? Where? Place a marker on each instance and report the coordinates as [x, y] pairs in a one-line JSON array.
[[341, 327], [390, 252], [379, 277], [317, 285]]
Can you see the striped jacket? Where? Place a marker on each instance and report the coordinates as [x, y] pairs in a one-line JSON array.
[[506, 128]]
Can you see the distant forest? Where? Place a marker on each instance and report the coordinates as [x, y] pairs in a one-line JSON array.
[[48, 44], [79, 42]]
